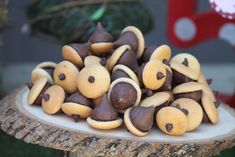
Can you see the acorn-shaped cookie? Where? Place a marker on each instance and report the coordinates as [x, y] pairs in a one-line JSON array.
[[123, 71], [182, 73], [104, 116], [162, 53], [210, 109], [191, 90], [124, 93], [157, 100], [77, 106], [139, 120], [66, 76], [91, 60], [52, 99], [192, 110], [188, 60], [172, 121], [44, 69], [93, 81], [37, 89], [133, 37], [154, 75], [125, 56], [102, 41], [167, 85], [76, 53]]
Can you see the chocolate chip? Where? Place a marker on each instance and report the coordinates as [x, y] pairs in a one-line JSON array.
[[185, 62], [169, 127], [160, 75], [91, 79], [46, 97], [29, 85], [62, 76], [75, 117], [103, 61], [185, 111], [164, 61], [217, 103], [209, 81], [149, 93]]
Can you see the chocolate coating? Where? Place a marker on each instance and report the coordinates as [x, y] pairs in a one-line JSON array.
[[142, 117], [205, 118], [148, 51], [167, 84], [129, 59], [139, 74], [100, 35], [104, 111], [46, 97], [29, 85], [78, 98], [82, 49], [195, 95], [159, 107], [38, 100], [118, 74], [179, 78], [127, 38], [49, 70], [169, 127], [123, 96]]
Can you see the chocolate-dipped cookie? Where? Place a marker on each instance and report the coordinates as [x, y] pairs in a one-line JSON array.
[[139, 120], [76, 53], [167, 85], [124, 93], [133, 37], [52, 99], [91, 60], [193, 112], [93, 81], [188, 60], [44, 69], [191, 90], [154, 74], [125, 56], [210, 108], [123, 71], [37, 89], [157, 100], [162, 53], [172, 121], [66, 76], [104, 116], [182, 73], [102, 41], [77, 106], [207, 90]]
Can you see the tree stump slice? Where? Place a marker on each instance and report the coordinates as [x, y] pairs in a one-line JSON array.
[[16, 120]]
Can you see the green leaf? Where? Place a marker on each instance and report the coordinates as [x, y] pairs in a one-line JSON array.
[[98, 13]]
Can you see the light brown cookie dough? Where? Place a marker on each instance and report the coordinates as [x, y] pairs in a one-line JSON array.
[[172, 121], [52, 100], [66, 76], [161, 53], [93, 81], [91, 60], [193, 111]]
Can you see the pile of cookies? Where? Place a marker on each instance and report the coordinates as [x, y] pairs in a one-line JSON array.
[[111, 82]]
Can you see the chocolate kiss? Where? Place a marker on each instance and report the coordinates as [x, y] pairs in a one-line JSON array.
[[160, 75], [82, 49], [142, 117], [78, 98], [38, 100], [148, 52], [167, 84], [209, 81], [100, 35], [129, 59], [104, 111], [29, 85], [127, 38], [169, 127], [185, 62], [118, 74]]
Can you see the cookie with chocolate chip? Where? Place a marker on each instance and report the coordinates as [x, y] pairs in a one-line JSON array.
[[77, 106], [133, 37], [124, 93], [193, 111], [37, 90], [172, 121], [102, 41], [104, 116], [93, 81], [44, 69], [91, 60], [139, 120], [52, 99]]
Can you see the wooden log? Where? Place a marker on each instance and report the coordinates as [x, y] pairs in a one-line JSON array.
[[32, 130]]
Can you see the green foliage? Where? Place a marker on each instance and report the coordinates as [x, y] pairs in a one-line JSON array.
[[77, 23]]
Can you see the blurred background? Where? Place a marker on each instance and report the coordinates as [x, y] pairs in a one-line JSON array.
[[33, 31]]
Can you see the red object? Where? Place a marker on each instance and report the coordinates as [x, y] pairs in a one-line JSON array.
[[207, 25], [227, 99]]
